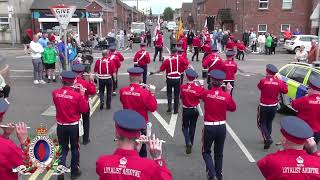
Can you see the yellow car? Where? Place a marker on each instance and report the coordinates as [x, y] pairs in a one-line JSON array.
[[296, 75]]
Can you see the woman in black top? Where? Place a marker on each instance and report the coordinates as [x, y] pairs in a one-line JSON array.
[[190, 39]]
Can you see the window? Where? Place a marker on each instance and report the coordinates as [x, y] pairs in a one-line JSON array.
[[298, 74], [286, 4], [263, 4], [313, 75], [262, 28], [284, 27], [4, 23], [285, 70], [305, 39]]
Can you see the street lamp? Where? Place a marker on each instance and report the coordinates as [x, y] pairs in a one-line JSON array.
[[11, 20]]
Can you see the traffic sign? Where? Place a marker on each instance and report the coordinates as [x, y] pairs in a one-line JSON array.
[[63, 14]]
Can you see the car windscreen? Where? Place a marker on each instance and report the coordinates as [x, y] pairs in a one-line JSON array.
[[293, 38]]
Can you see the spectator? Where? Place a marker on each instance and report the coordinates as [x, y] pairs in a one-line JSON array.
[[287, 34], [149, 38], [274, 43], [312, 56], [190, 39], [121, 39], [39, 34], [26, 39], [61, 52], [172, 39], [36, 50], [49, 61], [225, 39], [253, 41], [297, 32], [301, 54], [71, 50], [240, 50], [262, 42], [196, 45], [52, 38], [268, 44], [44, 40], [219, 38], [245, 38]]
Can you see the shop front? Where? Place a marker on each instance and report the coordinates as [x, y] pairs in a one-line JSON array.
[[95, 21]]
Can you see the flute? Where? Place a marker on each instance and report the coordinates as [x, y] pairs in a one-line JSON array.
[[6, 126], [145, 141]]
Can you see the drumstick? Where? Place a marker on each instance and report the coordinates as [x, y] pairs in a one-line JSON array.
[[6, 126]]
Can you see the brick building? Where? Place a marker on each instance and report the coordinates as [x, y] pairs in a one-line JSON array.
[[186, 15], [259, 15]]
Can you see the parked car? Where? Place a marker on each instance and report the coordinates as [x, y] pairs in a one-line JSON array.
[[296, 41], [172, 26], [296, 75]]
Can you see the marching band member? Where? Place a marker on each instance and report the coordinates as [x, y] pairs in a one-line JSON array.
[[158, 44], [231, 69], [114, 56], [142, 59]]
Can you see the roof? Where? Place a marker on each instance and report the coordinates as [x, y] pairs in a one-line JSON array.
[[186, 6], [44, 4]]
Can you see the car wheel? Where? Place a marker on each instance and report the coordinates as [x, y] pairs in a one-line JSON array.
[[296, 49], [281, 108]]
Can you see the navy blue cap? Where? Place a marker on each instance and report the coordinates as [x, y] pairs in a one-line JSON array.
[[4, 105], [68, 75], [143, 44], [78, 68], [129, 120], [295, 129], [112, 47], [135, 71], [272, 68], [217, 74], [229, 53], [214, 48], [315, 83], [191, 73]]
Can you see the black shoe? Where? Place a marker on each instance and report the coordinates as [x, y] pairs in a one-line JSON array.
[[188, 149], [114, 93], [267, 144], [86, 142], [175, 112], [169, 110], [101, 106], [108, 107], [75, 175], [54, 80], [60, 177], [49, 81]]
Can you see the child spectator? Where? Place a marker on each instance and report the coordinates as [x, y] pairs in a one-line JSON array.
[[49, 59]]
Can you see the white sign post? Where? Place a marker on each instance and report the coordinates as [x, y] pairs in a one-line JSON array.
[[64, 14]]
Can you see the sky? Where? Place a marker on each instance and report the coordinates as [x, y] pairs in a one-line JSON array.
[[157, 6]]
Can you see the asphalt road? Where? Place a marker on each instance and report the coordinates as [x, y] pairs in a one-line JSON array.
[[243, 146]]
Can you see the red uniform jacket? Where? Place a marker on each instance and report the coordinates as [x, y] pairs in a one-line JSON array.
[[230, 45], [270, 88], [290, 164], [159, 40], [115, 58], [127, 165], [90, 86], [231, 69], [69, 105], [174, 66], [104, 68], [221, 101], [184, 56], [119, 55], [190, 94], [137, 98], [240, 47], [196, 42], [213, 61], [206, 48], [308, 108], [10, 158], [141, 58], [184, 41], [207, 35]]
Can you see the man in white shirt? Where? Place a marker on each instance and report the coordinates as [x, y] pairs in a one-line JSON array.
[[262, 43], [301, 54], [36, 50]]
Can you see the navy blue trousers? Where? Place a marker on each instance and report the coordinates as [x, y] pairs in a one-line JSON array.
[[175, 84], [145, 73], [266, 115], [105, 84], [189, 122], [216, 135]]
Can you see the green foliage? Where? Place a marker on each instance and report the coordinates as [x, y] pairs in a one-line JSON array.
[[168, 14]]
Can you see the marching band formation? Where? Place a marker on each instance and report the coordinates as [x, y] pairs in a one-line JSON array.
[[129, 161]]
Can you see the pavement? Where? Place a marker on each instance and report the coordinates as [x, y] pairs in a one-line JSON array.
[[243, 146]]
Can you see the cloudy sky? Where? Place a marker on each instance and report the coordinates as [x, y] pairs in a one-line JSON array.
[[157, 6]]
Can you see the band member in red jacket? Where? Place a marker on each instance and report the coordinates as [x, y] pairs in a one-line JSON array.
[[270, 88], [215, 123], [190, 94], [117, 58], [293, 162], [308, 107], [136, 97], [87, 83], [125, 162], [158, 45], [206, 48], [240, 50], [231, 69], [142, 59], [69, 107], [196, 45]]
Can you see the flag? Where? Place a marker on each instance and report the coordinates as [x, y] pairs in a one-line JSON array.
[[180, 30], [205, 24], [157, 26]]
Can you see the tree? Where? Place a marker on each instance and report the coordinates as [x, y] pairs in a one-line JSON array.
[[168, 14]]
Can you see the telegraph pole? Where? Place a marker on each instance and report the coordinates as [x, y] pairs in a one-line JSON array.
[[115, 16]]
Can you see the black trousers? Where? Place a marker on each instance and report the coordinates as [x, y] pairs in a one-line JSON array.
[[86, 125], [266, 115], [157, 50], [143, 151], [145, 73], [189, 122], [196, 53], [216, 135], [66, 134], [175, 84], [5, 91], [239, 54], [268, 50], [181, 78], [114, 82], [232, 84], [105, 84]]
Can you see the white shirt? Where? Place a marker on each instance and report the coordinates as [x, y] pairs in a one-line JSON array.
[[262, 39], [301, 56], [36, 50]]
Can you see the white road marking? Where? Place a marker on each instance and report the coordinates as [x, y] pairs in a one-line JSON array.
[[170, 128], [21, 70], [168, 50], [21, 76], [164, 89], [21, 57], [240, 144]]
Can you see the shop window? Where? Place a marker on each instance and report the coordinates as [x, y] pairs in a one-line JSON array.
[[284, 27], [4, 23], [286, 4], [263, 4]]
